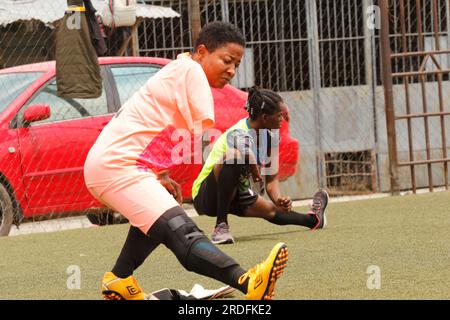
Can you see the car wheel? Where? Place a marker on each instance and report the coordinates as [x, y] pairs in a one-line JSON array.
[[106, 218], [6, 212]]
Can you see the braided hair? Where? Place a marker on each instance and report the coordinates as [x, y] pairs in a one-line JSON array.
[[262, 101]]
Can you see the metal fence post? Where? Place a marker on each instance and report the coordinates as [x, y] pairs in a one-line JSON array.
[[314, 75], [225, 10], [371, 81], [195, 19], [386, 72]]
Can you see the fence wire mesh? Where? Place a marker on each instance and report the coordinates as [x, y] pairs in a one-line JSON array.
[[320, 55]]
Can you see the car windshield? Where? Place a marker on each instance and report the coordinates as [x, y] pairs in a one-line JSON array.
[[13, 84]]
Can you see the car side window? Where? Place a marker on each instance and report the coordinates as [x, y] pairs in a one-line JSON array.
[[68, 108], [130, 79]]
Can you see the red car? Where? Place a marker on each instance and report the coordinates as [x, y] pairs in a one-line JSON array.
[[44, 139]]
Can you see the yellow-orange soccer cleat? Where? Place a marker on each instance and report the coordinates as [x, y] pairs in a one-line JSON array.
[[263, 276], [115, 288]]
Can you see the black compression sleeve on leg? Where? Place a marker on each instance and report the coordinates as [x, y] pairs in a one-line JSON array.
[[136, 249], [195, 251], [206, 259], [294, 218]]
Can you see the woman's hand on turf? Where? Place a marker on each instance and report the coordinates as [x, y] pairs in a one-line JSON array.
[[171, 186]]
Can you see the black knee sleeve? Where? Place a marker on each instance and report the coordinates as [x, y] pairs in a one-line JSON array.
[[180, 232], [189, 244], [194, 250]]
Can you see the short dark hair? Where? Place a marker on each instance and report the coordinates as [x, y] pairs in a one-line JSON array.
[[262, 101], [217, 34]]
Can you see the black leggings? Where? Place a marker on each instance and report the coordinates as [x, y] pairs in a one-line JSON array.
[[227, 195], [217, 198], [192, 248]]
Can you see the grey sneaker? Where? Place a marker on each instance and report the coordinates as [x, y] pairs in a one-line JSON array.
[[221, 234], [320, 202]]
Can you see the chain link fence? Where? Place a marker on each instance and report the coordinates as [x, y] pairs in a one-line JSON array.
[[320, 55]]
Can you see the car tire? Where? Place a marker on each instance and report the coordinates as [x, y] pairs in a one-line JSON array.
[[106, 218], [6, 212]]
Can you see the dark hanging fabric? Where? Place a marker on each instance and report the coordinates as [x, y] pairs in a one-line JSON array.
[[74, 2], [94, 28], [77, 68]]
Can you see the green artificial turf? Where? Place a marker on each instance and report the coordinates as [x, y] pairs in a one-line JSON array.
[[407, 238]]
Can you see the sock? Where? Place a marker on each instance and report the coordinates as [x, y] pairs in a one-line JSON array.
[[227, 184], [294, 218], [136, 249]]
